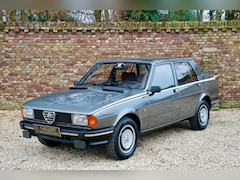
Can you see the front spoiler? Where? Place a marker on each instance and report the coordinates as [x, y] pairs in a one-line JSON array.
[[79, 137]]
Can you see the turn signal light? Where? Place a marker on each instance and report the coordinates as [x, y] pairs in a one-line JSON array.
[[92, 121]]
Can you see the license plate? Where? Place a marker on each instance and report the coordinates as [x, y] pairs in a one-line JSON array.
[[47, 130]]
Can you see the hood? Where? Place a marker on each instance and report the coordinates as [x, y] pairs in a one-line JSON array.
[[82, 101]]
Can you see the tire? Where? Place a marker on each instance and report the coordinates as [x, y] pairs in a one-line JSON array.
[[49, 143], [201, 118], [124, 140]]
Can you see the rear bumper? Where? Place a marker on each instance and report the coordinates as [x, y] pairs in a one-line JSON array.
[[79, 137], [215, 100]]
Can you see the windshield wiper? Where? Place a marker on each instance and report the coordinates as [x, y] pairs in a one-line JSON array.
[[124, 85], [113, 88], [78, 87]]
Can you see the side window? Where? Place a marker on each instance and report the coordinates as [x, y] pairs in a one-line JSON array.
[[193, 74], [185, 73], [163, 76]]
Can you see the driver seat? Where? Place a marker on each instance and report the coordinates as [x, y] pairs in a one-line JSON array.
[[129, 76]]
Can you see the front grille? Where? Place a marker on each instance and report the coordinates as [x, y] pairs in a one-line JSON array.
[[49, 116], [60, 117]]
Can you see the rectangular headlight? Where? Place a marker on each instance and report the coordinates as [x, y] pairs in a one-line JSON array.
[[27, 113], [78, 119], [83, 120]]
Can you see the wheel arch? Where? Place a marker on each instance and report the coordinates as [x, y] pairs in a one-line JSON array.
[[135, 118], [206, 98], [128, 112], [201, 118]]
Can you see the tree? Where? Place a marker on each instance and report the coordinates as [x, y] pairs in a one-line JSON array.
[[183, 15], [232, 14], [200, 15], [23, 16], [38, 15], [219, 15], [97, 15], [91, 16], [106, 15], [216, 15], [101, 15], [12, 15], [139, 15]]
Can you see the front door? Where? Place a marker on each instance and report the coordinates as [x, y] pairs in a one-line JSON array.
[[163, 106]]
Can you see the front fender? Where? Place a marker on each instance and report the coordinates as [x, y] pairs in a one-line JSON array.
[[112, 115], [126, 112]]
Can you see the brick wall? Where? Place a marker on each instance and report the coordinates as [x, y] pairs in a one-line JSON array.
[[38, 58]]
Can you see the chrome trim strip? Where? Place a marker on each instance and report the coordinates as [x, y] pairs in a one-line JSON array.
[[98, 134], [62, 133], [122, 101], [187, 84], [74, 134], [144, 94], [215, 101], [69, 134], [28, 127]]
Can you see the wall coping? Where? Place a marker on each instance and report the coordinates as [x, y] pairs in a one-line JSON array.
[[112, 27]]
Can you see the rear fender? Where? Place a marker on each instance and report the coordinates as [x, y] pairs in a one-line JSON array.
[[206, 97]]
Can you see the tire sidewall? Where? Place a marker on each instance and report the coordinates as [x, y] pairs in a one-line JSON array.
[[203, 106], [201, 125], [195, 121], [124, 123]]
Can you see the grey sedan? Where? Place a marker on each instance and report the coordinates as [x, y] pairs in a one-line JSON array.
[[118, 100]]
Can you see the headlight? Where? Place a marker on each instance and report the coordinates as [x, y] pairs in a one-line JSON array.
[[79, 120], [27, 113], [84, 120]]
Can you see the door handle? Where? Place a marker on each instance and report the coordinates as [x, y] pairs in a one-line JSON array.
[[175, 90]]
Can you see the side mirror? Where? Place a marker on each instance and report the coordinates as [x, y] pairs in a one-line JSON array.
[[75, 83], [155, 89]]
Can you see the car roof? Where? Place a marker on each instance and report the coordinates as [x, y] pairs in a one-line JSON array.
[[146, 60]]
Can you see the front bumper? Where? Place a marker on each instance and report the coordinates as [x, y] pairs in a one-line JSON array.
[[80, 138]]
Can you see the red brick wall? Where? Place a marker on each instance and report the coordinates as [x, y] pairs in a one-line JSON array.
[[39, 58]]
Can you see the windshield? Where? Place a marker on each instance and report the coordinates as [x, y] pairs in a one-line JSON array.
[[128, 75]]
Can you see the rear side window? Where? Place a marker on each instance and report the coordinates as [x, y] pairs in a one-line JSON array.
[[163, 76], [185, 73]]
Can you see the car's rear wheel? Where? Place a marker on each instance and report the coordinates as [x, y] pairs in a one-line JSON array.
[[49, 143], [201, 118], [124, 139]]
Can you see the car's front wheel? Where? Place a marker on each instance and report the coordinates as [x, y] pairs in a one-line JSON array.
[[124, 139], [201, 118], [49, 142]]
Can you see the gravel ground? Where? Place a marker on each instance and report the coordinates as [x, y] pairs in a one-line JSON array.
[[176, 148]]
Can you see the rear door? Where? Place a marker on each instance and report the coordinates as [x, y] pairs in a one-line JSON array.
[[189, 89]]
